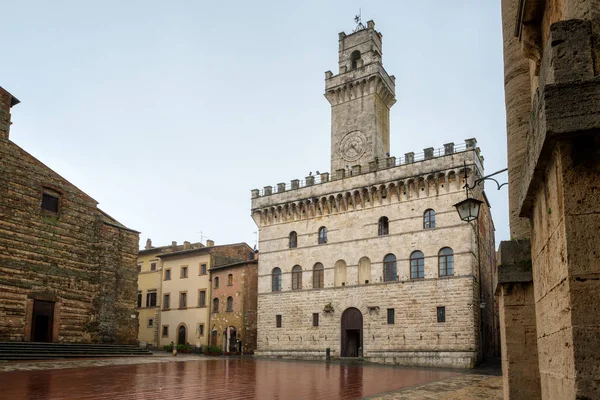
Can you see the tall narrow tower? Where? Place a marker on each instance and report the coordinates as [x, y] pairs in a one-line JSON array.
[[361, 96]]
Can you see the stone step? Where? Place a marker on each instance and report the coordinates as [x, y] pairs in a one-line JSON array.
[[39, 351]]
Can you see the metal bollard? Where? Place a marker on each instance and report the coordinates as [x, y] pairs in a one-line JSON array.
[[328, 354]]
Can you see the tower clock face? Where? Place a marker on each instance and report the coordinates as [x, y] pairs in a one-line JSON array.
[[353, 146]]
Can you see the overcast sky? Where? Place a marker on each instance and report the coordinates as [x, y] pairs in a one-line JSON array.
[[169, 112]]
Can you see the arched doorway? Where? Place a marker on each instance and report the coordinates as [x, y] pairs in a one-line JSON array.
[[181, 334], [230, 339], [352, 335]]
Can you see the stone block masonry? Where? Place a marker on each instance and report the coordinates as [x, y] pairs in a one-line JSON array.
[[60, 253]]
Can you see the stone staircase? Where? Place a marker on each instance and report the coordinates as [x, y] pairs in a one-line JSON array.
[[49, 351]]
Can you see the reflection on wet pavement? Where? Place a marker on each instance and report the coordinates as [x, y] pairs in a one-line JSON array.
[[214, 379]]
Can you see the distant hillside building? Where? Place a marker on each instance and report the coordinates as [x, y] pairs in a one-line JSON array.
[[67, 269], [373, 260]]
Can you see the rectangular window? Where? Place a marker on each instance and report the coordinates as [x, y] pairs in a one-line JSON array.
[[183, 300], [230, 280], [441, 314], [184, 271], [166, 301], [165, 331], [151, 299], [315, 319], [167, 274], [152, 266], [150, 322], [49, 203], [278, 321], [391, 316], [139, 268], [202, 298], [202, 269], [139, 299], [201, 329]]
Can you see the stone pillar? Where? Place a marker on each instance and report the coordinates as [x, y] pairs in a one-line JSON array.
[[409, 158], [268, 190], [310, 180], [449, 148], [428, 153], [517, 97], [516, 307], [558, 190], [280, 187], [295, 184]]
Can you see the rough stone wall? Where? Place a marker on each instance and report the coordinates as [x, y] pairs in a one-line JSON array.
[[565, 267], [558, 191], [416, 338], [78, 257], [519, 342], [251, 307], [517, 94], [243, 291]]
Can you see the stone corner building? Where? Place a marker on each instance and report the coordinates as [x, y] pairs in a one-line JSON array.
[[549, 274], [373, 259], [67, 269]]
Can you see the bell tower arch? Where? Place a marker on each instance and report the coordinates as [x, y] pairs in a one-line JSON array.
[[361, 95]]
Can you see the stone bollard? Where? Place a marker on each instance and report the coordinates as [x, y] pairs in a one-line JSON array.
[[174, 349], [328, 354]]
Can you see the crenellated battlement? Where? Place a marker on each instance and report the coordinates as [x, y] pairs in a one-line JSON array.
[[373, 167], [431, 173]]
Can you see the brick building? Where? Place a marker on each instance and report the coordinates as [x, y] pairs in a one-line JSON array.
[[67, 269], [373, 259], [233, 306]]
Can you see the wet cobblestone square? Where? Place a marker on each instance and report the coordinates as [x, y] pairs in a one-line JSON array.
[[214, 379]]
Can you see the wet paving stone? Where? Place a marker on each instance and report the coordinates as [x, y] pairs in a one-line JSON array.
[[214, 379]]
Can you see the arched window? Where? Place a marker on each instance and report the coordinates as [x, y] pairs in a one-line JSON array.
[[230, 279], [322, 235], [293, 240], [215, 305], [446, 262], [230, 304], [417, 265], [389, 268], [429, 219], [297, 277], [216, 282], [354, 57], [339, 270], [318, 276], [364, 270], [276, 280], [383, 228]]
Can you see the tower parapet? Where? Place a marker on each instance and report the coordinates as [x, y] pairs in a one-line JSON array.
[[386, 163], [361, 95]]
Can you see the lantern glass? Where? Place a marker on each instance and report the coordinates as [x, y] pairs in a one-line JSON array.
[[468, 209]]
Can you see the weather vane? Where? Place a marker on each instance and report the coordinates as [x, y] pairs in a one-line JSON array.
[[358, 20]]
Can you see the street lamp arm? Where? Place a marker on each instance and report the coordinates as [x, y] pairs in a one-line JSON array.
[[488, 177]]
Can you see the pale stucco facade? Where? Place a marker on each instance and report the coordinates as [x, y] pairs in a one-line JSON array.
[[435, 320]]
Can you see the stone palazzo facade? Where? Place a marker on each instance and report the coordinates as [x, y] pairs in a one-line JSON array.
[[67, 269], [374, 261]]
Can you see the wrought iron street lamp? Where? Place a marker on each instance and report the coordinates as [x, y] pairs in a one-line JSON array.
[[468, 210]]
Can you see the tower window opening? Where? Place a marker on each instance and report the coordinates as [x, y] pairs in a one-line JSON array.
[[354, 57]]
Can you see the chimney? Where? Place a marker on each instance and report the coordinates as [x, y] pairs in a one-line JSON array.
[[148, 244], [187, 245], [174, 245], [210, 243], [7, 101]]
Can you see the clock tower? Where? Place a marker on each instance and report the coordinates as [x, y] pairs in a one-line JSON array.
[[361, 96]]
